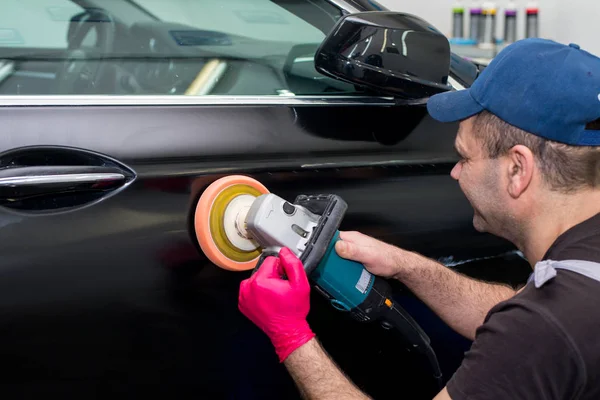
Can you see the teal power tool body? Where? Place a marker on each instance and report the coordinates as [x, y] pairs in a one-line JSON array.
[[310, 228]]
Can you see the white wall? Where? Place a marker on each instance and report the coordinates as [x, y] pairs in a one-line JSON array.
[[572, 21]]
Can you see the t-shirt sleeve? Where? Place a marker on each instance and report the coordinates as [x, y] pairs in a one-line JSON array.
[[520, 352]]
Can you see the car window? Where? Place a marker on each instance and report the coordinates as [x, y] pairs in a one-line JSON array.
[[165, 47]]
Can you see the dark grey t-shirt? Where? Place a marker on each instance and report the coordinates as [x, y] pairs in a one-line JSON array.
[[542, 343]]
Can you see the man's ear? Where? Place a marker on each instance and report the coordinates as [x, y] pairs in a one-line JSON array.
[[521, 164]]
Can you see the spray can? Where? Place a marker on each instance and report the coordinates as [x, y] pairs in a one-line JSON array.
[[510, 22], [532, 19], [458, 20], [488, 13], [475, 22]]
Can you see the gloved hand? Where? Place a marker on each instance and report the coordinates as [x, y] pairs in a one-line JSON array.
[[277, 306]]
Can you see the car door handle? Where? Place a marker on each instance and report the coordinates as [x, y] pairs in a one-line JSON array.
[[25, 182], [52, 176], [54, 179]]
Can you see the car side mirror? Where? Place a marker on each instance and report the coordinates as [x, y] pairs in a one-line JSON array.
[[389, 53]]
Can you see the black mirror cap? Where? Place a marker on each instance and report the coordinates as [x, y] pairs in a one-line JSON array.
[[387, 52]]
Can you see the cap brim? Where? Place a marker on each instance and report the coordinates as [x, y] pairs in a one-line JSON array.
[[453, 106]]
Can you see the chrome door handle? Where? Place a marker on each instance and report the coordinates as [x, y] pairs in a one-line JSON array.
[[91, 177], [52, 179], [19, 183]]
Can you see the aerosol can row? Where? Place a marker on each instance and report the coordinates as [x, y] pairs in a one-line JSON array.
[[481, 18], [510, 23]]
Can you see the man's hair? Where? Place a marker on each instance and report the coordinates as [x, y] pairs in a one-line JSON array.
[[565, 168]]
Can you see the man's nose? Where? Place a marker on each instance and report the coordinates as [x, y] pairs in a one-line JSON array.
[[455, 173]]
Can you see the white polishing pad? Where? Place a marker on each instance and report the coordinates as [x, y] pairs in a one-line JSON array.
[[234, 220]]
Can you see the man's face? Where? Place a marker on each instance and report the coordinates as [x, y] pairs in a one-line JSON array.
[[480, 179]]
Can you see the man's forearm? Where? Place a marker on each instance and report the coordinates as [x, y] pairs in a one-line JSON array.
[[317, 376], [462, 302]]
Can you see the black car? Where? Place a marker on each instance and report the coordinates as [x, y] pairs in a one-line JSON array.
[[115, 115]]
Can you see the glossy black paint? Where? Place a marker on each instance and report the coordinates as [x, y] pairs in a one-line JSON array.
[[463, 71], [116, 299], [387, 52]]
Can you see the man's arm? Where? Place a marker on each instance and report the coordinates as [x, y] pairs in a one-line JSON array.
[[443, 395], [276, 299], [318, 377], [462, 302]]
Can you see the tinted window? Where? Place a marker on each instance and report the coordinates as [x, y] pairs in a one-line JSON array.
[[165, 47]]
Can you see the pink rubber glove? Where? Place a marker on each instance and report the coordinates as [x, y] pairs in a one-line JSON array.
[[279, 307]]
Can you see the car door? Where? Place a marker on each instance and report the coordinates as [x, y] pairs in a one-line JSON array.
[[114, 118]]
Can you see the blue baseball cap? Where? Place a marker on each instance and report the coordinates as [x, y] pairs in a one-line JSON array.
[[549, 89]]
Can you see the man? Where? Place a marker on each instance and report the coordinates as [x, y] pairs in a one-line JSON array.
[[529, 140]]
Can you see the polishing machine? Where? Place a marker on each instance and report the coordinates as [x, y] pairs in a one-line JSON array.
[[239, 223]]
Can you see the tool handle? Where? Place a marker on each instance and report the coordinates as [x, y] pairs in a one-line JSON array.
[[262, 258]]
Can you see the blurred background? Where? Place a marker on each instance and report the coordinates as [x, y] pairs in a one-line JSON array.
[[574, 21], [477, 28]]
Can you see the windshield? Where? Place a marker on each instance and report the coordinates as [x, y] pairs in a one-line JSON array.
[[174, 47]]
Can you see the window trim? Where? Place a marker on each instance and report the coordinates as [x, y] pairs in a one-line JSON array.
[[182, 100], [344, 5]]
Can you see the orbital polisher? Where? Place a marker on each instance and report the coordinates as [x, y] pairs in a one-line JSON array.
[[239, 223]]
